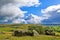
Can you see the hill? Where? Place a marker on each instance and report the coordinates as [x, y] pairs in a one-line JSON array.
[[7, 34]]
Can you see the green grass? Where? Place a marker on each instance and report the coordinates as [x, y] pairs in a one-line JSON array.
[[41, 37], [8, 34]]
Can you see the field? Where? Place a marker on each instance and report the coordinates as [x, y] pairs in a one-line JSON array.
[[7, 34], [41, 37]]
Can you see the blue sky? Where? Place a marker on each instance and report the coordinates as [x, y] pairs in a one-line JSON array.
[[44, 4], [30, 11]]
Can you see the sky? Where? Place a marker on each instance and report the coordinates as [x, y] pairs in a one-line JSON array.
[[30, 11]]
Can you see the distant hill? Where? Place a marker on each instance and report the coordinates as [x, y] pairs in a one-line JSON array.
[[51, 24]]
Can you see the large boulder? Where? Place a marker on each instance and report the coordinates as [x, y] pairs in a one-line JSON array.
[[17, 33], [49, 32], [23, 33], [29, 33], [35, 33]]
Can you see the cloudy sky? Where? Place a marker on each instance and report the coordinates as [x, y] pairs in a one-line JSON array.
[[30, 11]]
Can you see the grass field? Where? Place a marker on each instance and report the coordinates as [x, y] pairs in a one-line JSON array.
[[41, 37], [8, 34]]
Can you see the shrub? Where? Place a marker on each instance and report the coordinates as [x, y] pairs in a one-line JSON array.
[[39, 29]]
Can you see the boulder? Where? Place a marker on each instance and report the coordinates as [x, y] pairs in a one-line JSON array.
[[23, 33], [49, 32]]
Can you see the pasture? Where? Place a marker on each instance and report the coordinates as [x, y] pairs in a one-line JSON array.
[[6, 34]]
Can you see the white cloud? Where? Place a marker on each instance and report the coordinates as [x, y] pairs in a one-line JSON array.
[[19, 21], [10, 9], [52, 13], [34, 19], [9, 12], [20, 2], [51, 8], [58, 11]]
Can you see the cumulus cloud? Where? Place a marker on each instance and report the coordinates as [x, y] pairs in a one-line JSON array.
[[52, 13], [9, 12], [20, 2], [34, 19], [10, 9], [19, 21]]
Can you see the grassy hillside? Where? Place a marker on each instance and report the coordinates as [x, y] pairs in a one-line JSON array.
[[41, 37], [6, 28]]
